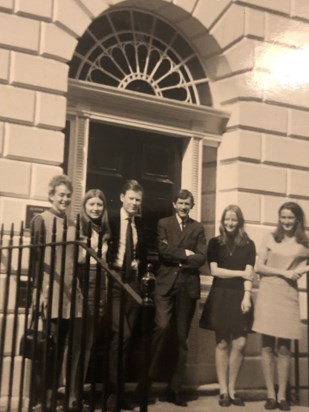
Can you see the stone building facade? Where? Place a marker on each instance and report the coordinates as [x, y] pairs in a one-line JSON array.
[[249, 146]]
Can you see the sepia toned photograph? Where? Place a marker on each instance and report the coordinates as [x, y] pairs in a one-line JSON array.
[[154, 205]]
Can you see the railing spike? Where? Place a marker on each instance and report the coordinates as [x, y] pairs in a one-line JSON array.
[[54, 229], [77, 227], [21, 231], [12, 233]]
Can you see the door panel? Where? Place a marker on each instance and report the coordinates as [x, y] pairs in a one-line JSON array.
[[118, 153]]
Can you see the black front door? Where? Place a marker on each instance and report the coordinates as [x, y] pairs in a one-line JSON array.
[[119, 153]]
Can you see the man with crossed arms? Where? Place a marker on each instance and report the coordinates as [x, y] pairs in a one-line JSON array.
[[182, 251]]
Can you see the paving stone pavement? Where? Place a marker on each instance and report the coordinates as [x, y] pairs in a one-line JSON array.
[[210, 404]]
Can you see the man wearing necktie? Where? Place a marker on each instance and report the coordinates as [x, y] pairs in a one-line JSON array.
[[125, 255], [182, 251]]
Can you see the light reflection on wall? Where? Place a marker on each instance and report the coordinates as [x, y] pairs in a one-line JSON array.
[[279, 68]]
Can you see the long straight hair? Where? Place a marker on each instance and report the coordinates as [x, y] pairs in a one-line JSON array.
[[241, 238], [299, 231], [103, 225]]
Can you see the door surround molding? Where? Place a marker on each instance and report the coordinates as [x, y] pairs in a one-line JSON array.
[[200, 125], [95, 100]]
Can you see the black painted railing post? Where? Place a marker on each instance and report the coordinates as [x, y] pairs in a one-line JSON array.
[[36, 275], [147, 289], [106, 342], [86, 329], [307, 279], [25, 324], [296, 371], [15, 320], [5, 304]]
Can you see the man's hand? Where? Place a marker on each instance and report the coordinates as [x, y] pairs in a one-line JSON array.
[[189, 252]]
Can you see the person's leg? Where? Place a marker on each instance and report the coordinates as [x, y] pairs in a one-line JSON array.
[[116, 398], [163, 314], [284, 360], [184, 312], [75, 356], [114, 344], [58, 329], [235, 361], [222, 362], [268, 364]]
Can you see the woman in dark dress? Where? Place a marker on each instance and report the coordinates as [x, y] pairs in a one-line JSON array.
[[228, 308]]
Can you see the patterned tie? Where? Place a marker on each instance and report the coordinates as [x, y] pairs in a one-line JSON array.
[[128, 256]]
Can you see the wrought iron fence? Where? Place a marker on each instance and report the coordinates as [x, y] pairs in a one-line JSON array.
[[43, 355]]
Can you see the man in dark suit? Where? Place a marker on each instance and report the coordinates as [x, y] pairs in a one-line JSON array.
[[182, 251], [125, 255]]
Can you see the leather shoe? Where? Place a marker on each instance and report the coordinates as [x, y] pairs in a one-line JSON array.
[[75, 408], [283, 405], [173, 397], [112, 404], [180, 400], [270, 404], [237, 401], [224, 399]]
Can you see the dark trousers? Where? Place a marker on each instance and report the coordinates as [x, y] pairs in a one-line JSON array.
[[179, 304], [55, 366], [131, 310]]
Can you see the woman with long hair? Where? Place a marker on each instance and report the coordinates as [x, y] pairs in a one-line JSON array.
[[228, 309], [282, 260], [96, 232], [94, 215]]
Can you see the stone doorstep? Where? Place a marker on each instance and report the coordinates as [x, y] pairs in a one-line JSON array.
[[202, 391], [210, 389]]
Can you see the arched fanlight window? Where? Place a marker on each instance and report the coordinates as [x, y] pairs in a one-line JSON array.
[[134, 50]]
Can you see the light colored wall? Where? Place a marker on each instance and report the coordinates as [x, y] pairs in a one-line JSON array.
[[263, 159]]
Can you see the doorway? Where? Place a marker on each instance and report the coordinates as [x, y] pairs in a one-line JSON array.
[[118, 153]]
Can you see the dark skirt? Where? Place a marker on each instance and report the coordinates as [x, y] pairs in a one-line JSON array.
[[222, 312]]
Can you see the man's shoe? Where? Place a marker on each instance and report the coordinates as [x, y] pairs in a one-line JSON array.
[[173, 397], [167, 396], [124, 404], [138, 394], [75, 408], [180, 400]]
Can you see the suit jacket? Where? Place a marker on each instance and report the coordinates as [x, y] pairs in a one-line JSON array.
[[172, 242], [113, 244]]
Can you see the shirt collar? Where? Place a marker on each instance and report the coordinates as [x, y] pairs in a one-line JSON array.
[[57, 213], [124, 215], [179, 220]]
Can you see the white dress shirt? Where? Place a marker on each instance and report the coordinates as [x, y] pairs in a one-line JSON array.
[[122, 236]]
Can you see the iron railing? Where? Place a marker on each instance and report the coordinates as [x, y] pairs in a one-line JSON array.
[[25, 382]]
